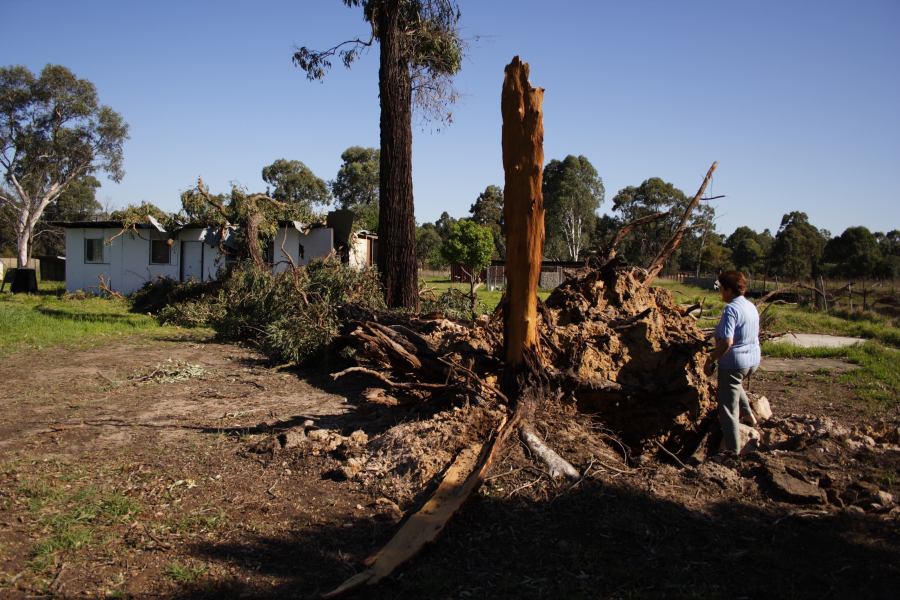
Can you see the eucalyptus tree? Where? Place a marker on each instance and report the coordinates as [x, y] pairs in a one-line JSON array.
[[356, 185], [419, 52], [573, 191], [53, 133]]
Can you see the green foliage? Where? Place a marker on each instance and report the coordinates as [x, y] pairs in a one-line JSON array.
[[136, 214], [429, 47], [356, 185], [53, 132], [653, 196], [188, 304], [488, 211], [292, 316], [428, 247], [855, 253], [453, 303], [470, 245], [573, 191], [798, 247], [295, 184]]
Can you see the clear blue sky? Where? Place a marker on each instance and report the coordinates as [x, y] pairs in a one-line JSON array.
[[799, 101]]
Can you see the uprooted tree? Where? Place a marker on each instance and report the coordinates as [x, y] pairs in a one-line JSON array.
[[420, 51], [605, 341]]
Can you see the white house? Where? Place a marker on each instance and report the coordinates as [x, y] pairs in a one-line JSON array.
[[296, 244], [128, 260]]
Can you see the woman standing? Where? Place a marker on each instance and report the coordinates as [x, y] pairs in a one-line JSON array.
[[738, 353]]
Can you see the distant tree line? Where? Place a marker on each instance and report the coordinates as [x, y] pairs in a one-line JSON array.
[[573, 193]]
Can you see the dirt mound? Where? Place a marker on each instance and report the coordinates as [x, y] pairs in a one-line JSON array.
[[628, 353]]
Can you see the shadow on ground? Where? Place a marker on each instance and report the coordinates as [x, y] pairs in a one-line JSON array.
[[598, 541]]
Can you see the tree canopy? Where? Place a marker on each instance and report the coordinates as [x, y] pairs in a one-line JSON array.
[[653, 196], [356, 185], [420, 51], [53, 131], [798, 247], [573, 191], [292, 182], [488, 211]]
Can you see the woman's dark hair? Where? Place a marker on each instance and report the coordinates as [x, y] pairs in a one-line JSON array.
[[734, 281]]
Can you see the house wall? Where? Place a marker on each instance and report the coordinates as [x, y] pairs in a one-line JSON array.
[[359, 253], [213, 259], [317, 243], [126, 260]]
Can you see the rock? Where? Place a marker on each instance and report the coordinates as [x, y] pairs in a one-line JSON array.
[[724, 476], [867, 440], [267, 445], [794, 489], [292, 438], [359, 437], [761, 408], [749, 439], [352, 467], [855, 510], [884, 498]]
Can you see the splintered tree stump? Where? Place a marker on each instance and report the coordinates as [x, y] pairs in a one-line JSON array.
[[523, 211]]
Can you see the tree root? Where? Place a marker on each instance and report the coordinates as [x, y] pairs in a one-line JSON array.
[[558, 466]]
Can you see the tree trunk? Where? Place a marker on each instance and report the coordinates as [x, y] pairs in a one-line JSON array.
[[397, 224], [523, 211]]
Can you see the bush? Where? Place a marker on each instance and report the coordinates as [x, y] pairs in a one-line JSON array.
[[163, 292], [453, 304], [292, 316]]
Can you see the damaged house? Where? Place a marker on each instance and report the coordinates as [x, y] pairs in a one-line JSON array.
[[127, 259]]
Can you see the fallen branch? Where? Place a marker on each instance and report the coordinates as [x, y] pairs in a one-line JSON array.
[[559, 467], [666, 252], [384, 379]]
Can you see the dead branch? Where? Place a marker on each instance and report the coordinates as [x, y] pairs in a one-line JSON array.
[[387, 381], [558, 466], [666, 252], [105, 287], [609, 252]]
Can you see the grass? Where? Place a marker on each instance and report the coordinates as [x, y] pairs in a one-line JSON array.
[[877, 380], [185, 573], [69, 518], [489, 298], [796, 319], [50, 318]]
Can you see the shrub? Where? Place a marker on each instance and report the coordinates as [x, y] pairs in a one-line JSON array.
[[292, 316]]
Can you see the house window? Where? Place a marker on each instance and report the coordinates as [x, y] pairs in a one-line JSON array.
[[160, 252], [93, 250]]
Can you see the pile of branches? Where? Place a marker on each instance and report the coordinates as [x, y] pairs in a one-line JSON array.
[[292, 316]]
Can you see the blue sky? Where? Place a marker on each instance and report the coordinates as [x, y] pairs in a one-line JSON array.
[[798, 101]]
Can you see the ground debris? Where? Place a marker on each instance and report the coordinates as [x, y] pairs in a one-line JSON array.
[[170, 371]]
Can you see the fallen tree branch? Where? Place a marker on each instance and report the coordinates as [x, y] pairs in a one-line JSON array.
[[609, 252], [559, 467], [666, 252], [384, 379]]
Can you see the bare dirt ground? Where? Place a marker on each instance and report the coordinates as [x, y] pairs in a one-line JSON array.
[[116, 481]]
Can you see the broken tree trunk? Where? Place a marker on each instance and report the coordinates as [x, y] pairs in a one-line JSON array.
[[523, 211], [675, 241]]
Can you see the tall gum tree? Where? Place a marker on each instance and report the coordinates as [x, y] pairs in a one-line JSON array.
[[53, 132], [419, 52]]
